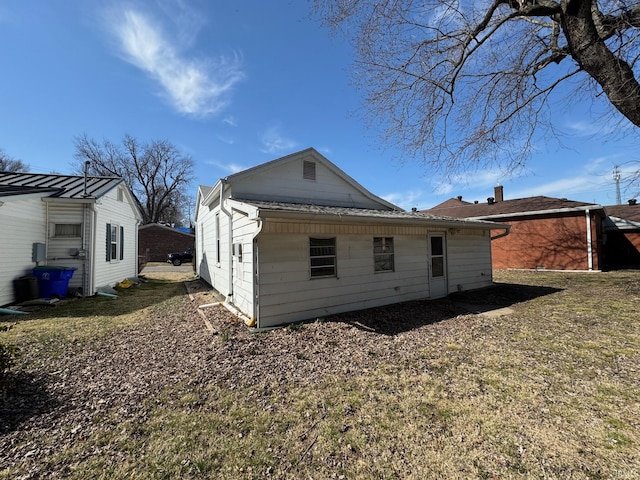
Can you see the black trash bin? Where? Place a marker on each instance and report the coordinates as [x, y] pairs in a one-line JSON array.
[[26, 288]]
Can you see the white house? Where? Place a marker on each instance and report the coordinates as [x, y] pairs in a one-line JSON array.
[[297, 238], [90, 224]]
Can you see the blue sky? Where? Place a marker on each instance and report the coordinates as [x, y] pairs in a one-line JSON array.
[[236, 84]]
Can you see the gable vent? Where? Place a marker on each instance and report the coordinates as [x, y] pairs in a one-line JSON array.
[[309, 170]]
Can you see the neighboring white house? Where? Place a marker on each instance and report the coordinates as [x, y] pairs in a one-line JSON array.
[[90, 224], [297, 238]]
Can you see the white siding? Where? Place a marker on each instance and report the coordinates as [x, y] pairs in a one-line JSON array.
[[243, 283], [212, 271], [284, 183], [469, 260], [23, 223], [59, 249], [111, 211], [288, 294]]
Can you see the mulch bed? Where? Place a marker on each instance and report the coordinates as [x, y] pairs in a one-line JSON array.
[[54, 401]]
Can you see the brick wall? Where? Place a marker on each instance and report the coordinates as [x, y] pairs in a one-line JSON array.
[[157, 241], [553, 243]]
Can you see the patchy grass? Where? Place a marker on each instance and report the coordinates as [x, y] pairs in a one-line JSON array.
[[550, 391]]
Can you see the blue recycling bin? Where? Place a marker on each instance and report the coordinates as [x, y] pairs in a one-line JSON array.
[[53, 281]]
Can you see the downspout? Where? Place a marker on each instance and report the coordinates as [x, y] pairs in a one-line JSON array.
[[589, 248], [223, 182], [256, 274]]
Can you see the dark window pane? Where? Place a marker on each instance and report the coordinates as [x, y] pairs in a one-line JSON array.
[[436, 246], [437, 267]]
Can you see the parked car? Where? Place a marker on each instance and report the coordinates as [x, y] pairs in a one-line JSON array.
[[181, 257]]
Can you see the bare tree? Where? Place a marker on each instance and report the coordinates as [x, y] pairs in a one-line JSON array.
[[463, 84], [9, 164], [157, 173]]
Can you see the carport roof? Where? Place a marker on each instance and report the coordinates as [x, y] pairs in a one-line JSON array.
[[59, 186]]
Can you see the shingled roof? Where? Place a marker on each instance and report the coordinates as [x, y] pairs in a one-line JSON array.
[[295, 209], [628, 215], [455, 207]]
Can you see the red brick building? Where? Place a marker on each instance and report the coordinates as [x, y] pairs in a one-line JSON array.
[[546, 233], [155, 241], [622, 236]]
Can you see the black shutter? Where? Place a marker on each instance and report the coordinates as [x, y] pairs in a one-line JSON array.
[[121, 243], [108, 242]]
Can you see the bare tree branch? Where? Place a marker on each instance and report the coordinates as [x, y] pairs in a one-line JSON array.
[[157, 173], [462, 84]]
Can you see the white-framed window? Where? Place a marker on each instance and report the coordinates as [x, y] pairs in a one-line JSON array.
[[120, 194], [383, 260], [115, 242], [67, 230], [322, 257]]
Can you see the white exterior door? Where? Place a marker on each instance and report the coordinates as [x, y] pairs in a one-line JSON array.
[[437, 266]]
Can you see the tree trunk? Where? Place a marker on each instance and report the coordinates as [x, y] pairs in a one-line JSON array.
[[613, 74]]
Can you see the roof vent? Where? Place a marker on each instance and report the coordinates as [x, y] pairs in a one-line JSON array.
[[460, 198], [309, 170], [491, 200], [475, 202], [633, 201]]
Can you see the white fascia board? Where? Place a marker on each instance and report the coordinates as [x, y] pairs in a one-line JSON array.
[[540, 212], [341, 218]]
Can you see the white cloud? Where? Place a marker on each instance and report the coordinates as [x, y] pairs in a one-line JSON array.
[[192, 86], [229, 168], [230, 120], [405, 200], [274, 142]]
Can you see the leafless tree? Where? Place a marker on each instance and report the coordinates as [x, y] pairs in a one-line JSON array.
[[462, 84], [9, 164], [157, 173]]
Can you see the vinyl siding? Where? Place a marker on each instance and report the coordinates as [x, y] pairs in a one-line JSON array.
[[23, 223], [285, 183], [287, 293], [243, 284], [469, 260], [210, 270], [59, 249], [111, 211]]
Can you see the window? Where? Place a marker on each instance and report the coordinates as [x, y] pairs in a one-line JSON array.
[[67, 230], [115, 242], [322, 255], [383, 254], [120, 195], [437, 256]]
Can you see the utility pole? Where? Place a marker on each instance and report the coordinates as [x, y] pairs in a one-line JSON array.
[[616, 178]]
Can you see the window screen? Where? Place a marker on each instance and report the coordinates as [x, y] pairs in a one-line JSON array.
[[322, 255]]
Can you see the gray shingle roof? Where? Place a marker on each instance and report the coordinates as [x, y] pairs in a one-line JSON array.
[[399, 215], [60, 186]]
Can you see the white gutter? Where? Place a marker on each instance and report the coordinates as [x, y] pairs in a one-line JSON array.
[[538, 212], [230, 243], [589, 248]]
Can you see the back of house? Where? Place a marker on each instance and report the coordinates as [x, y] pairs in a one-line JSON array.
[[297, 239]]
